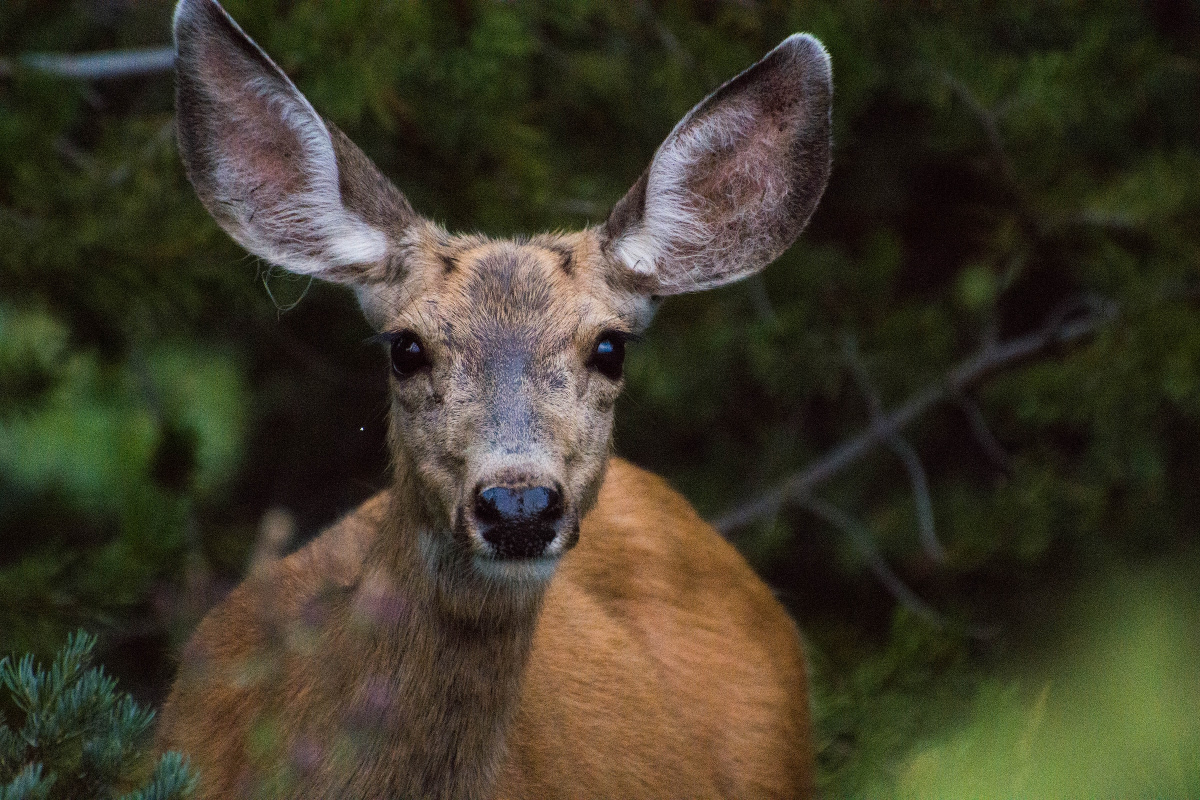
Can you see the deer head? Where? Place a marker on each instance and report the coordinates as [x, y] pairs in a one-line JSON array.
[[506, 355]]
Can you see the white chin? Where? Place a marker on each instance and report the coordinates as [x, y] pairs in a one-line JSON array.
[[519, 570]]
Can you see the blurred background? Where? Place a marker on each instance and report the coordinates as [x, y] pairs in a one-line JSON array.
[[956, 426]]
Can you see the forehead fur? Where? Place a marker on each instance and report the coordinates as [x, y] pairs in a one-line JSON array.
[[553, 283]]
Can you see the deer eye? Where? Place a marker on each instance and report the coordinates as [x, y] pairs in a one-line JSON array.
[[408, 355], [608, 357]]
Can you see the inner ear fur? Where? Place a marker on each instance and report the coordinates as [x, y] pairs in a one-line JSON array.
[[288, 186], [735, 182]]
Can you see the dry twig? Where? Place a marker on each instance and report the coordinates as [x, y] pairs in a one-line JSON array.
[[95, 66], [1059, 330], [903, 450], [862, 539]]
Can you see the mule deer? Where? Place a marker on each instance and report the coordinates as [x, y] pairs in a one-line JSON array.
[[520, 614]]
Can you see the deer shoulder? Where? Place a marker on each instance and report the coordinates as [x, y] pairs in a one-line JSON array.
[[702, 674]]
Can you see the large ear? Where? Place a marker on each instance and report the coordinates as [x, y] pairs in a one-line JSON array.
[[281, 181], [735, 182]]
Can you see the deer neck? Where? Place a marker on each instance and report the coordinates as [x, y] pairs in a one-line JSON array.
[[440, 686]]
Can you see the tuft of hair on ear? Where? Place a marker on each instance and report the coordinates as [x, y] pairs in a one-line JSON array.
[[282, 182], [736, 181]]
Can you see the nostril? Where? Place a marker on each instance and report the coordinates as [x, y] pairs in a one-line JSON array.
[[543, 502], [495, 504]]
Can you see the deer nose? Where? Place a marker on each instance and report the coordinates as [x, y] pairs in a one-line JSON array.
[[518, 522]]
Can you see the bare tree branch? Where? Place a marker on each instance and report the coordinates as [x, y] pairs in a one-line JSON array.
[[761, 301], [992, 448], [921, 498], [987, 121], [903, 450], [1000, 157], [1059, 330], [95, 66], [865, 543]]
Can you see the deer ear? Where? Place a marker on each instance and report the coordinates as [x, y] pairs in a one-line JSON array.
[[735, 182], [281, 181]]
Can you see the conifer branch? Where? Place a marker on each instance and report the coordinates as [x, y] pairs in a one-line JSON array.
[[77, 736]]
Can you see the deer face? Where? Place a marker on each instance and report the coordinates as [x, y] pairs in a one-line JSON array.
[[505, 354], [506, 364]]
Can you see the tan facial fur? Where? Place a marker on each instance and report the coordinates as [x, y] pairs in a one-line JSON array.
[[509, 328]]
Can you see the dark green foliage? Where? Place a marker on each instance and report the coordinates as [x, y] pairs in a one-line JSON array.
[[75, 736], [996, 164]]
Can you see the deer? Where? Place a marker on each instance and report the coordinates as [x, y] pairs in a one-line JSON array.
[[519, 613]]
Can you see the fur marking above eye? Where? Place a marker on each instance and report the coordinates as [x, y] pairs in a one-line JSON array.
[[566, 258]]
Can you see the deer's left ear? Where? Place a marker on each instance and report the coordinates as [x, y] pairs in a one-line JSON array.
[[735, 182]]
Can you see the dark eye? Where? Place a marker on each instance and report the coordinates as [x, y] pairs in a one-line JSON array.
[[408, 355], [609, 356]]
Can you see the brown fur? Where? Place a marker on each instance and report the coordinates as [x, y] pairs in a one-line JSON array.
[[655, 662], [660, 666], [403, 653]]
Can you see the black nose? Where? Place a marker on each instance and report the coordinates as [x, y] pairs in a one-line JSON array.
[[518, 522], [501, 504]]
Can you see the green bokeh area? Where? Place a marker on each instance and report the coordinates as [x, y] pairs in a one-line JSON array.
[[997, 166]]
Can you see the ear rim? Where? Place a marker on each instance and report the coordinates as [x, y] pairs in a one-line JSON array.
[[626, 235], [348, 243]]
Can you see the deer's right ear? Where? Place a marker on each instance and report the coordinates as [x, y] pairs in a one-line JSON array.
[[735, 182], [283, 183]]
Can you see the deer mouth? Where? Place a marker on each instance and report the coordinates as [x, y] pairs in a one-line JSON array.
[[521, 551], [538, 570]]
